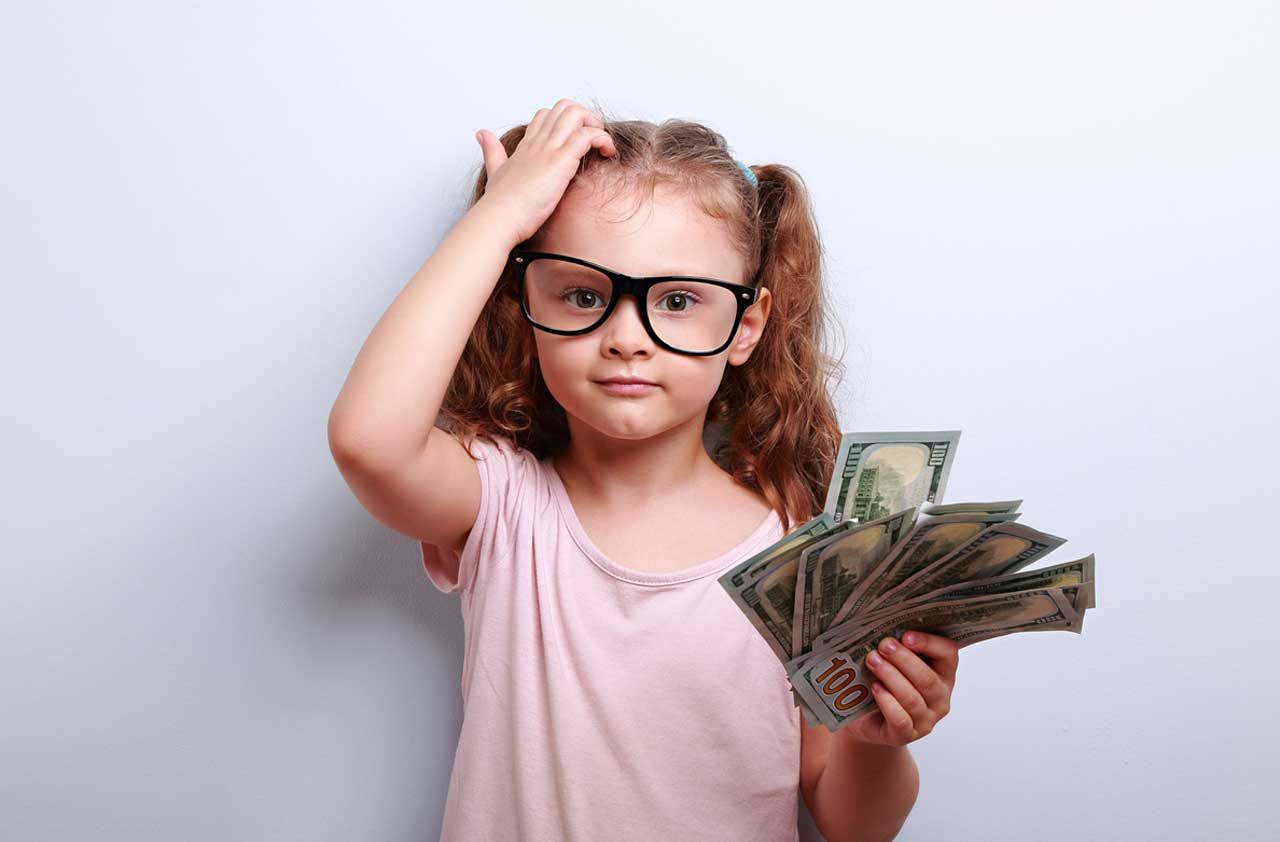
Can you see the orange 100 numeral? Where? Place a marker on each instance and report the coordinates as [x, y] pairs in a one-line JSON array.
[[846, 697]]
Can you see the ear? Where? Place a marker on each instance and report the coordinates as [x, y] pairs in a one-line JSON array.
[[751, 328]]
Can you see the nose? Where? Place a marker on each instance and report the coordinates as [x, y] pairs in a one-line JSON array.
[[623, 332]]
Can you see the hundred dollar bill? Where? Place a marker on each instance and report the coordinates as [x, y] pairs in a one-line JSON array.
[[741, 575], [1080, 595], [1074, 572], [836, 684], [747, 571], [766, 594], [997, 550], [772, 595], [831, 567], [1077, 572], [877, 474], [1074, 593], [997, 507], [763, 586], [929, 540]]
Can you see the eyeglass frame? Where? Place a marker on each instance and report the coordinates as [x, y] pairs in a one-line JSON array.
[[624, 284]]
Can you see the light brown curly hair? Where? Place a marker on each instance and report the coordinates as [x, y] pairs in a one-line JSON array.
[[779, 429]]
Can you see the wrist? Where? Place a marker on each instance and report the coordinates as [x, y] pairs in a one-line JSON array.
[[852, 739], [498, 221]]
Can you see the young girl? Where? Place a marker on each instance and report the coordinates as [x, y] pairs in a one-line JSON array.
[[612, 690]]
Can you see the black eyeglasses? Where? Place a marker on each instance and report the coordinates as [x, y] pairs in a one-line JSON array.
[[570, 296]]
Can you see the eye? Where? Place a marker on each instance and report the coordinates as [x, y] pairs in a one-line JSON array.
[[685, 300], [580, 297]]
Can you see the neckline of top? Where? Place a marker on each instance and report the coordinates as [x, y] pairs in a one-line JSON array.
[[644, 577]]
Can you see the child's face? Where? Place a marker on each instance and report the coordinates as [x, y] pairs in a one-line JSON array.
[[669, 236]]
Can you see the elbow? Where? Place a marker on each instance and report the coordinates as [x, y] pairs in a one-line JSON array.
[[352, 449], [342, 444], [903, 804], [879, 815]]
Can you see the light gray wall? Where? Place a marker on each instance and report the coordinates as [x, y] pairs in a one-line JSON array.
[[1051, 225]]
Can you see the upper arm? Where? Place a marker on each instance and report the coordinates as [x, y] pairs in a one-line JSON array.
[[432, 496], [815, 742]]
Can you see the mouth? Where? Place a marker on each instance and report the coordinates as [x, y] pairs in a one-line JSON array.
[[627, 386], [628, 381]]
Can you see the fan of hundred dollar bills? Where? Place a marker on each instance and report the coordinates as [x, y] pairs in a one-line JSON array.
[[867, 568]]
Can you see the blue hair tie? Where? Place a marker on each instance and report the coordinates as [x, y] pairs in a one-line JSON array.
[[755, 182]]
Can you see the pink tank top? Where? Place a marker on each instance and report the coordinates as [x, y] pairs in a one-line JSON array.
[[601, 702]]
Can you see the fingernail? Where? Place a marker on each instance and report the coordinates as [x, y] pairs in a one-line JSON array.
[[890, 645], [910, 638], [874, 659]]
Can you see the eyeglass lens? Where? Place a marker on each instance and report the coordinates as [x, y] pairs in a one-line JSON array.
[[689, 315]]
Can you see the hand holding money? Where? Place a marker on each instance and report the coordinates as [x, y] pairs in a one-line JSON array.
[[868, 568], [916, 676]]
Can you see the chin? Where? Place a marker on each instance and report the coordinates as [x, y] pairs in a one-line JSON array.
[[627, 426]]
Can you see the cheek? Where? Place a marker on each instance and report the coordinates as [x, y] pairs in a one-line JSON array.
[[695, 381], [562, 365]]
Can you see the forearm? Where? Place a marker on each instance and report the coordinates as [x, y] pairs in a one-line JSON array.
[[865, 791], [393, 393]]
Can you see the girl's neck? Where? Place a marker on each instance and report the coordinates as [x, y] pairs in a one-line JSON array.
[[619, 473]]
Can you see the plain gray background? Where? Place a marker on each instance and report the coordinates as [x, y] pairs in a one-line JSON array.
[[1050, 225]]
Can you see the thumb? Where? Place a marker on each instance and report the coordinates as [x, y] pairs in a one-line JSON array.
[[494, 153]]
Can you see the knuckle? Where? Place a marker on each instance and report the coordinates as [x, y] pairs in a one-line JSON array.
[[901, 723]]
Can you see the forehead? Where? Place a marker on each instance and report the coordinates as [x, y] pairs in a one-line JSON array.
[[667, 234]]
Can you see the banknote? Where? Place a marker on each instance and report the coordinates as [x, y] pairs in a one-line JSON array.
[[877, 474], [998, 549], [740, 580], [886, 556], [829, 569], [1077, 572], [994, 508], [929, 540], [763, 585], [835, 683], [742, 573]]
